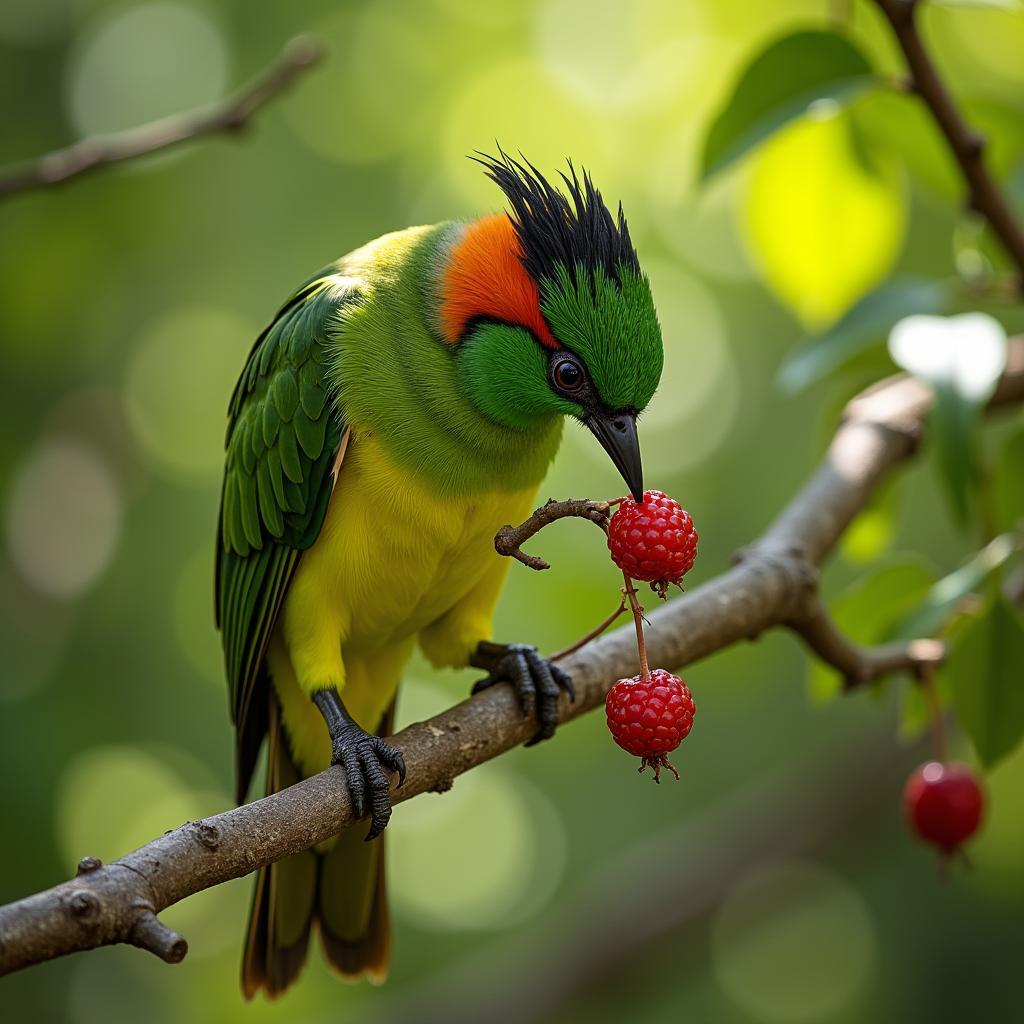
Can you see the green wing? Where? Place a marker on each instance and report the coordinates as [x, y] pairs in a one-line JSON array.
[[283, 437]]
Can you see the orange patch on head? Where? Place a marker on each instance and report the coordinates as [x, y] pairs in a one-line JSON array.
[[485, 277]]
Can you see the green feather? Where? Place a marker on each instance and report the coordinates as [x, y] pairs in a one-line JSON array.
[[310, 433], [311, 391], [277, 487], [250, 510], [258, 445], [296, 498], [245, 449], [288, 451], [285, 394], [271, 423], [269, 508], [273, 461]]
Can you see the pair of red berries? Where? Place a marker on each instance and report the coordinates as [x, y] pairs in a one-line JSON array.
[[654, 541]]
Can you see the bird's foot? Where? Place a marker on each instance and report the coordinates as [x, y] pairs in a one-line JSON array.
[[537, 681], [366, 760]]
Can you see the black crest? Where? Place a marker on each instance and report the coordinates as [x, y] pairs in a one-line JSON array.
[[555, 228]]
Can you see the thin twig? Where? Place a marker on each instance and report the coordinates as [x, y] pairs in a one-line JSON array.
[[967, 146], [602, 627], [935, 714], [228, 117], [509, 539], [768, 588], [638, 622]]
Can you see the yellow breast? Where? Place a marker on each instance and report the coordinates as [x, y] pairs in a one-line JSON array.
[[392, 559], [392, 556]]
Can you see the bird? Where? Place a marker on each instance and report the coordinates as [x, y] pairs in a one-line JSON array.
[[403, 404]]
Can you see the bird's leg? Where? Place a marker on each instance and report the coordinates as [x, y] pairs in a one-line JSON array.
[[366, 760], [536, 680]]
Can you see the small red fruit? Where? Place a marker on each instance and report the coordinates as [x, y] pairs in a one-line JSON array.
[[650, 717], [944, 804], [655, 542]]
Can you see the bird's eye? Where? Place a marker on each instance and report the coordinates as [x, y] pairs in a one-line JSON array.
[[568, 375]]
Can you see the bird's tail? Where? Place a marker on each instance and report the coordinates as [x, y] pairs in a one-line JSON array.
[[341, 890]]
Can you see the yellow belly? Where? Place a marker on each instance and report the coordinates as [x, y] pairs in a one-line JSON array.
[[392, 560]]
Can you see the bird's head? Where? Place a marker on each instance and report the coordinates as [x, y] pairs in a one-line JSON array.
[[551, 313]]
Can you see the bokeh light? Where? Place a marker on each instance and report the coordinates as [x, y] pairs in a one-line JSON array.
[[699, 227], [991, 42], [490, 15], [63, 517], [622, 56], [181, 374], [385, 59], [129, 70], [516, 103], [485, 855], [793, 943], [90, 819]]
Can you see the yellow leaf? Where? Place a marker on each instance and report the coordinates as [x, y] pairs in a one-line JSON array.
[[824, 227]]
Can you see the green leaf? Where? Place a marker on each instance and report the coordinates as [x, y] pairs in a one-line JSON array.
[[896, 122], [814, 173], [953, 424], [864, 326], [872, 532], [962, 358], [778, 86], [1008, 484], [868, 610], [986, 675], [944, 599]]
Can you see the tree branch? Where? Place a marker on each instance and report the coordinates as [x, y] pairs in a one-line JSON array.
[[230, 116], [967, 146], [861, 665], [768, 587]]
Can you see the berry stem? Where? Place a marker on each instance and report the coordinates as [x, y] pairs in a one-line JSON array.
[[592, 635], [938, 725], [638, 618], [656, 764]]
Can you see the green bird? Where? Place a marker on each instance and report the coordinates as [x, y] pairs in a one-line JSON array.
[[403, 405]]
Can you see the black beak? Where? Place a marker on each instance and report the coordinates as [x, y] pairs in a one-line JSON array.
[[617, 433]]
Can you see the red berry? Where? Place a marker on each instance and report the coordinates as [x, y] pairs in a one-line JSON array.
[[655, 541], [944, 804], [650, 717]]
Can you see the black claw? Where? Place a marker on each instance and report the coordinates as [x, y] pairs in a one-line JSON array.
[[380, 802], [537, 682], [564, 680], [391, 757], [366, 761]]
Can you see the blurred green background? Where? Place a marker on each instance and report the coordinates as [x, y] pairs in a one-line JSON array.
[[128, 300]]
